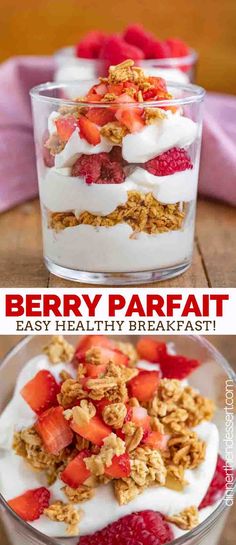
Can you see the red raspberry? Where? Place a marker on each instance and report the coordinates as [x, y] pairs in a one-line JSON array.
[[98, 169], [159, 50], [116, 50], [144, 528], [177, 367], [89, 47], [173, 160], [137, 35], [217, 486]]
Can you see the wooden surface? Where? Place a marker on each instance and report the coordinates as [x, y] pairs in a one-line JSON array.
[[214, 262], [227, 346], [30, 27]]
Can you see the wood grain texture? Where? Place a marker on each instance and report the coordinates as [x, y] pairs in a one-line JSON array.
[[214, 260], [29, 27], [228, 347]]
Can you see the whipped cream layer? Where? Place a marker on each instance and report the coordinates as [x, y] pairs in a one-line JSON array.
[[116, 249], [60, 192], [174, 130], [16, 476]]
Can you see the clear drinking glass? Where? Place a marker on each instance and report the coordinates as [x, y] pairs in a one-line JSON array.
[[69, 67], [138, 227], [213, 366]]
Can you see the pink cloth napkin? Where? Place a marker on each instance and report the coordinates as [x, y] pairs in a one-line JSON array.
[[18, 178]]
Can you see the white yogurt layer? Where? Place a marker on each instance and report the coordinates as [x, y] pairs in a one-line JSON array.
[[61, 192], [173, 130], [110, 249], [76, 146], [16, 476]]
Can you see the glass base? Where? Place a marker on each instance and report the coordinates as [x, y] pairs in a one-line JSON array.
[[116, 279]]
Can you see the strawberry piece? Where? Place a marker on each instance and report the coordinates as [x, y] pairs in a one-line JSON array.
[[100, 89], [54, 430], [136, 35], [140, 417], [66, 126], [116, 50], [41, 392], [156, 440], [120, 467], [178, 367], [30, 505], [169, 162], [130, 118], [142, 528], [89, 47], [76, 471], [116, 88], [100, 405], [95, 431], [159, 83], [89, 131], [159, 50], [151, 350], [88, 341], [177, 47], [105, 355], [100, 116], [144, 385], [94, 371]]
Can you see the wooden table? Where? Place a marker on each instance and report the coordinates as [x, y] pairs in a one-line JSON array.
[[214, 262]]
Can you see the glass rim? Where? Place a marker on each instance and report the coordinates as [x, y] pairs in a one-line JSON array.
[[196, 94], [200, 530], [191, 58]]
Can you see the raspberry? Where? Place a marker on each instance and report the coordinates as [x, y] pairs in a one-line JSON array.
[[217, 486], [173, 160], [177, 367], [116, 50], [159, 50], [89, 47], [136, 35], [144, 528], [98, 169]]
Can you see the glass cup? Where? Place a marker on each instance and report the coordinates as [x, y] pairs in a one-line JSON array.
[[213, 365], [69, 67], [136, 223]]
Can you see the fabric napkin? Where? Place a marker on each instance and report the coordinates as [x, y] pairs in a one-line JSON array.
[[18, 178]]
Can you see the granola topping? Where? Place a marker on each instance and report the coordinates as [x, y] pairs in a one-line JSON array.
[[65, 512], [59, 350], [187, 519]]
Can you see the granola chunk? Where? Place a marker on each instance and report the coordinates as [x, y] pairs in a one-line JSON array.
[[80, 494], [114, 132], [186, 519], [81, 414], [199, 408], [129, 350], [71, 391], [59, 350], [186, 449], [114, 415], [151, 115], [125, 490], [65, 512], [112, 446]]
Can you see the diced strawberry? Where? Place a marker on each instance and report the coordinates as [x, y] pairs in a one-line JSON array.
[[140, 417], [66, 126], [54, 430], [94, 371], [100, 89], [177, 47], [144, 385], [115, 88], [130, 118], [89, 131], [88, 341], [106, 355], [76, 471], [156, 440], [95, 431], [30, 505], [178, 367], [159, 83], [120, 467], [100, 116], [89, 47], [151, 350], [41, 392], [100, 405]]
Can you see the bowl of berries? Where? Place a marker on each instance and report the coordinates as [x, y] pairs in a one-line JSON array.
[[114, 440], [172, 58]]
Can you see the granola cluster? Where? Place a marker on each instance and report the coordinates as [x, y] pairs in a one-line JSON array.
[[141, 211], [117, 437]]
